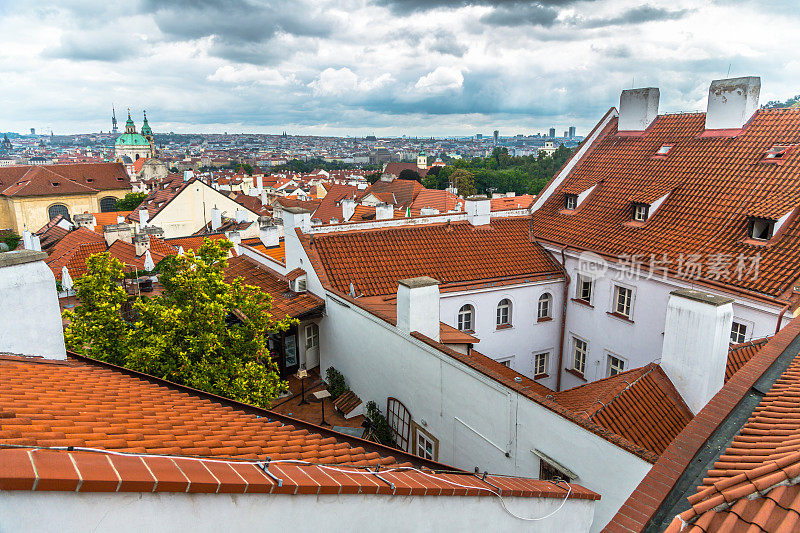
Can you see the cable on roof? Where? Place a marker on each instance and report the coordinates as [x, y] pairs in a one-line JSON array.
[[263, 466]]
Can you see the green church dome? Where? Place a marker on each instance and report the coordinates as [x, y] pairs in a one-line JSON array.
[[131, 139]]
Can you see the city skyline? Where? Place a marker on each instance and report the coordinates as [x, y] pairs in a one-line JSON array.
[[400, 68]]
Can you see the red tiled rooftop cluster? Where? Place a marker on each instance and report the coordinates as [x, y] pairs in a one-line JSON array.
[[74, 178]]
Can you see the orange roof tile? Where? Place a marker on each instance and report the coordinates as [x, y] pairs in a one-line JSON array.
[[715, 183], [454, 253], [739, 354], [443, 201], [110, 217], [522, 201], [73, 178]]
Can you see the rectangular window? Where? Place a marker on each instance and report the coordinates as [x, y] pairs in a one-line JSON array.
[[640, 212], [762, 229], [579, 349], [506, 363], [623, 297], [425, 445], [540, 364], [585, 286], [571, 201], [738, 333], [312, 336], [615, 365]]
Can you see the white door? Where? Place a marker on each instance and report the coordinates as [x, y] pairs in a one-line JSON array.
[[312, 346]]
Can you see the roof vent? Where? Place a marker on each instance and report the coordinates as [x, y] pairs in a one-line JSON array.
[[732, 102], [638, 108]]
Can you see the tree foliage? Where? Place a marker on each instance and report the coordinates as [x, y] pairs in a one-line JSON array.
[[790, 102], [464, 182], [201, 332], [130, 202], [408, 174], [503, 173]]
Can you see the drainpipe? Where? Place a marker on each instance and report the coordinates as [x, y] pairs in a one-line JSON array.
[[780, 317], [563, 318]]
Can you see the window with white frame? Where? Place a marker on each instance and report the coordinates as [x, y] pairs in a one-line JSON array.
[[466, 318], [579, 351], [623, 299], [570, 201], [615, 365], [425, 445], [312, 336], [540, 364], [738, 332], [504, 312], [584, 289], [545, 305], [506, 363], [640, 212]]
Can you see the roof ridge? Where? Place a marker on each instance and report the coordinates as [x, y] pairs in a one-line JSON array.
[[652, 367]]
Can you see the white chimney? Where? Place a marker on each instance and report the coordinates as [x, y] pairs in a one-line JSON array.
[[296, 217], [36, 243], [236, 239], [269, 235], [384, 212], [142, 243], [479, 210], [732, 102], [120, 219], [697, 332], [144, 217], [32, 325], [187, 175], [637, 108], [85, 220], [264, 198], [216, 219], [259, 182], [241, 215], [112, 232], [418, 306], [348, 209], [26, 239]]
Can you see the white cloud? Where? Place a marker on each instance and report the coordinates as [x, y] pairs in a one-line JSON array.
[[248, 74], [343, 81], [441, 79]]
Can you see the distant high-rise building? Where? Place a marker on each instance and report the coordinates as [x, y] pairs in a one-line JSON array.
[[572, 131], [479, 136], [33, 131], [565, 134], [496, 136], [114, 128], [552, 133]]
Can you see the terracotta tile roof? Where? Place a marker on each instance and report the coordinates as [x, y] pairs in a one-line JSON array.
[[192, 243], [771, 433], [715, 183], [329, 207], [454, 253], [69, 243], [91, 404], [753, 485], [75, 261], [363, 212], [739, 354], [110, 217], [443, 201], [284, 301], [641, 405], [74, 178], [523, 201], [158, 198], [395, 168], [278, 253], [347, 401], [85, 471], [396, 192], [296, 273], [51, 233], [310, 205]]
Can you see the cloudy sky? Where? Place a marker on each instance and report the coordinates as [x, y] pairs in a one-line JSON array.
[[389, 67]]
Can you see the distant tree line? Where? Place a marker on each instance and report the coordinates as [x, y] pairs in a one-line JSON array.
[[793, 101], [499, 173], [303, 167]]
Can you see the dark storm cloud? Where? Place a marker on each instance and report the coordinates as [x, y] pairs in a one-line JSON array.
[[521, 15], [637, 15]]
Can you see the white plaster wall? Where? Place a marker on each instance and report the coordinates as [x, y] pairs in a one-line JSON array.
[[525, 338], [640, 342], [479, 422], [66, 512]]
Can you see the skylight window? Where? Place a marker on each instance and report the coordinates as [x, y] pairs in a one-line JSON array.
[[664, 150], [776, 154], [762, 229]]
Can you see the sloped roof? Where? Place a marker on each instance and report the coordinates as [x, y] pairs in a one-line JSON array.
[[443, 201], [73, 178], [396, 192], [284, 301], [715, 183], [522, 201], [739, 354], [454, 253], [109, 217], [395, 168], [329, 206], [158, 198], [641, 405]]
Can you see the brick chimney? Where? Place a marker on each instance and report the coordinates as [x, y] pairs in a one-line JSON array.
[[638, 108], [479, 210], [697, 333], [32, 325], [142, 243], [418, 306], [732, 102]]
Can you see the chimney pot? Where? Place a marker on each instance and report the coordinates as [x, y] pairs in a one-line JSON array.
[[216, 219]]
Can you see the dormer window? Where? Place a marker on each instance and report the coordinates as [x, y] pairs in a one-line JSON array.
[[640, 212], [776, 154], [664, 150], [571, 202], [762, 229]]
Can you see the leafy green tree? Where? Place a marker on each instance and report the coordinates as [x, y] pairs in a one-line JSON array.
[[464, 182], [201, 332], [10, 238], [247, 168], [96, 327], [794, 101], [408, 174], [130, 202]]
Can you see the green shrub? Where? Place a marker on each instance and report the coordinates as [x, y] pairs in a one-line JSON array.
[[379, 426], [336, 383]]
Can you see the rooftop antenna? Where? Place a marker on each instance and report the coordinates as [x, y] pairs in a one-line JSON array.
[[729, 70]]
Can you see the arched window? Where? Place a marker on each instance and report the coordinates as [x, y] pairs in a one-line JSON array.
[[504, 312], [466, 318], [57, 209], [107, 204], [545, 306]]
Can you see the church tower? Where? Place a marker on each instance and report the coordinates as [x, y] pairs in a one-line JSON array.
[[147, 133], [130, 127]]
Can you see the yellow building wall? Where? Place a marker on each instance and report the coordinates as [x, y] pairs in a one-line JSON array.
[[32, 212]]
